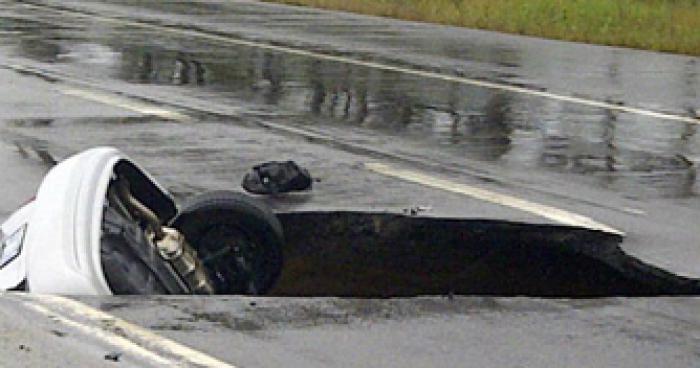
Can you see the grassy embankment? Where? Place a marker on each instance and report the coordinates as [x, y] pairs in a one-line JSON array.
[[661, 25]]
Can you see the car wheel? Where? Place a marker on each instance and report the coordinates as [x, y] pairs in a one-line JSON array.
[[238, 239]]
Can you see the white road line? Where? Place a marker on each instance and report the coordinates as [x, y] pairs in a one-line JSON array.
[[380, 66], [125, 346], [130, 338], [125, 103], [634, 211], [549, 212]]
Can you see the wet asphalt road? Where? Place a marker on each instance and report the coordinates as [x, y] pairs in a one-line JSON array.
[[631, 171], [31, 340], [417, 332], [641, 156], [427, 332]]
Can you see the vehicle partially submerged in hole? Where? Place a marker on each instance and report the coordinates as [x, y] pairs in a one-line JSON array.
[[100, 225]]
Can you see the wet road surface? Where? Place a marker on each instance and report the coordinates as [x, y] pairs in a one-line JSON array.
[[198, 111], [630, 171], [419, 332], [28, 339], [639, 155], [332, 332], [483, 332]]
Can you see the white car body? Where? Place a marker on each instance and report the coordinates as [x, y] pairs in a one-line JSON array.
[[12, 255], [60, 251]]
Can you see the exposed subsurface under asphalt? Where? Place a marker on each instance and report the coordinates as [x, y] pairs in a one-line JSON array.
[[197, 113]]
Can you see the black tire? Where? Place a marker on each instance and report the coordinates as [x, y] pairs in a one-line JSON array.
[[238, 239]]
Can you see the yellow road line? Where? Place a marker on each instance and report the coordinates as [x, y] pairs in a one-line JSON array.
[[549, 212], [130, 338], [125, 103], [379, 66]]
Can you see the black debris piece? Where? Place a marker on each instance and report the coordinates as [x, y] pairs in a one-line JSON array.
[[113, 356], [415, 210], [277, 177], [58, 333]]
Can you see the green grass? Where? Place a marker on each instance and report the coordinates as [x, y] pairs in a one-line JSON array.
[[660, 25]]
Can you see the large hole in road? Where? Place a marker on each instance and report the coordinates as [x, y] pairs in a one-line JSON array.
[[357, 254]]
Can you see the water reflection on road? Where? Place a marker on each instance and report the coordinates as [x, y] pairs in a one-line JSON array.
[[632, 152]]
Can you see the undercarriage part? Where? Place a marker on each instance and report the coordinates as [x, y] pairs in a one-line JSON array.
[[146, 191], [139, 210], [174, 248], [238, 239], [357, 254], [171, 246], [130, 263]]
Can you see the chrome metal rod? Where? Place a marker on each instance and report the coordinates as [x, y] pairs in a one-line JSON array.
[[140, 210]]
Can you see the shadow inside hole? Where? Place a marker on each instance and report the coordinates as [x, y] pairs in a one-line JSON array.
[[358, 254]]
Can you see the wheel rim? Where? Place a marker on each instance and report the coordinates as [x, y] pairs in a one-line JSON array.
[[234, 259]]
